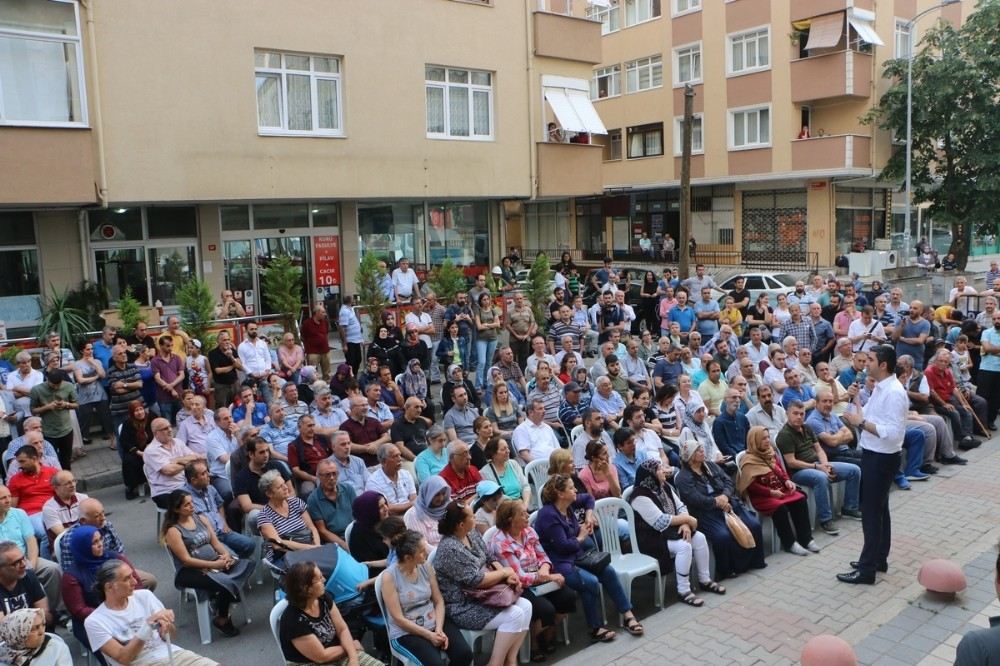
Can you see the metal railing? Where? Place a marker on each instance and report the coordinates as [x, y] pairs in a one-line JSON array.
[[773, 259]]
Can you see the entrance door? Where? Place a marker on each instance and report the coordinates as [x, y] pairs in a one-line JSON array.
[[246, 262], [118, 268]]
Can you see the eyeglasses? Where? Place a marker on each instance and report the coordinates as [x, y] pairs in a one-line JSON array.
[[18, 562], [162, 429], [328, 475]]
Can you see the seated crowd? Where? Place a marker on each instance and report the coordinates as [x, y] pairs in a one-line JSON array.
[[476, 508]]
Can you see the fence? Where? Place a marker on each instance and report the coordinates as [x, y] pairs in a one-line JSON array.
[[710, 255]]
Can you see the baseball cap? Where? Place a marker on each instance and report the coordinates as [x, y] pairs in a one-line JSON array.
[[572, 387], [484, 491]]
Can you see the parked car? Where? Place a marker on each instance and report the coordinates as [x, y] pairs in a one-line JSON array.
[[760, 282]]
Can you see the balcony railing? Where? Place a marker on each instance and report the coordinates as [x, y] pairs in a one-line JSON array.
[[838, 151], [804, 9], [832, 75], [569, 169], [563, 35]]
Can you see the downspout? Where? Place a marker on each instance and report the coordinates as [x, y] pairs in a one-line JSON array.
[[97, 127], [530, 54]]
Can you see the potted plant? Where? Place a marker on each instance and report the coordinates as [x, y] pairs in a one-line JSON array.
[[370, 295], [447, 280], [130, 312], [196, 307], [282, 285], [59, 316]]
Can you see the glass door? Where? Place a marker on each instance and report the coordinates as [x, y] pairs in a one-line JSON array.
[[296, 247], [118, 268]]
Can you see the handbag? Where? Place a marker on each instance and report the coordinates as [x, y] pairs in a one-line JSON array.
[[500, 595], [593, 561], [741, 533]]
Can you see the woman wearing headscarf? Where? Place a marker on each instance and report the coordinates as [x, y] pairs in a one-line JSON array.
[[366, 544], [695, 428], [709, 494], [428, 510], [338, 383], [414, 383], [665, 529], [136, 433], [87, 547], [385, 347], [23, 641], [765, 482]]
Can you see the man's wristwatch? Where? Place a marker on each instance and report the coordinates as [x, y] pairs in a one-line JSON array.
[[863, 424]]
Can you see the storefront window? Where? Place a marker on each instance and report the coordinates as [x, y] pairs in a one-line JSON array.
[[326, 215], [295, 247], [860, 219], [19, 285], [547, 226], [239, 266], [172, 222], [170, 267], [121, 268], [459, 231], [392, 230], [235, 218], [283, 216], [116, 224], [590, 228]]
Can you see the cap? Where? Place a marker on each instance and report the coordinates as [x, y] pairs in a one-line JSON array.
[[572, 387], [196, 343], [484, 491], [497, 270]]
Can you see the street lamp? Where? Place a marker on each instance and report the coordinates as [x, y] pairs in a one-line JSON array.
[[907, 212]]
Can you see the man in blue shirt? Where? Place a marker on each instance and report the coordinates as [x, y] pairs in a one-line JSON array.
[[684, 315], [707, 311], [208, 502], [627, 459], [855, 373], [668, 369], [103, 347], [279, 433], [730, 428], [833, 435], [256, 410], [796, 390], [911, 334], [330, 503]]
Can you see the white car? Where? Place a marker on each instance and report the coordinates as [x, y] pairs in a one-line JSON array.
[[771, 284]]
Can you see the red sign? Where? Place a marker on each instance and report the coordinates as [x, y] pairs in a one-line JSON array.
[[326, 257]]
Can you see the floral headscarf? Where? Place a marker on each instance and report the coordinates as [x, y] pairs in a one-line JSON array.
[[688, 448], [699, 429], [648, 484], [14, 630], [414, 380]]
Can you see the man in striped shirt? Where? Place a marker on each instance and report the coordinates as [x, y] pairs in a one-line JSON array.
[[564, 326]]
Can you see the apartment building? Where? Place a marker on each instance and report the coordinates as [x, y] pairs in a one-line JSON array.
[[783, 169], [145, 142]]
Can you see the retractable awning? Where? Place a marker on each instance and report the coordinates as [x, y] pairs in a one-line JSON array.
[[599, 3], [570, 102], [863, 22], [825, 31]]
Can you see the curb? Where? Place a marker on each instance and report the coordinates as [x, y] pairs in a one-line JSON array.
[[105, 479]]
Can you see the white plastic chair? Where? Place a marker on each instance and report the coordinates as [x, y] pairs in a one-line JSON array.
[[396, 650], [627, 493], [57, 547], [488, 535], [347, 533], [201, 601], [275, 620], [537, 472], [629, 566], [473, 636]]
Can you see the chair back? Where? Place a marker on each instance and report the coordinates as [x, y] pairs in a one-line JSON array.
[[347, 533], [780, 457], [275, 620], [627, 493], [537, 472], [488, 536], [739, 460], [57, 547], [606, 511], [532, 517]]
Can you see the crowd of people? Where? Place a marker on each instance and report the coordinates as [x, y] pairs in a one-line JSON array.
[[460, 452]]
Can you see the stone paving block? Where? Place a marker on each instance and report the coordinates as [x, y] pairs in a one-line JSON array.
[[866, 655], [922, 643], [891, 633]]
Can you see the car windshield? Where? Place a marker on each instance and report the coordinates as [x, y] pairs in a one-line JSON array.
[[784, 278]]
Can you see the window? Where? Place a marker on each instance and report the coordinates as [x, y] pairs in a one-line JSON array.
[[610, 16], [697, 138], [901, 38], [547, 225], [750, 128], [41, 64], [613, 146], [607, 82], [686, 6], [687, 64], [749, 51], [19, 284], [645, 140], [298, 94], [459, 103], [639, 11], [644, 74]]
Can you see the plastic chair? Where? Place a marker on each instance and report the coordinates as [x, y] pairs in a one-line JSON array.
[[57, 547], [627, 493], [396, 651], [347, 533], [629, 566], [488, 535], [473, 636], [202, 608], [537, 472], [275, 620]]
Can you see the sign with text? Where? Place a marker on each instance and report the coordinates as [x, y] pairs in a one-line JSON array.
[[326, 258]]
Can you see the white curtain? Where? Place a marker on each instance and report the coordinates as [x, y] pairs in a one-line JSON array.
[[268, 100], [299, 102], [326, 98], [435, 110], [34, 79], [481, 113], [458, 111]]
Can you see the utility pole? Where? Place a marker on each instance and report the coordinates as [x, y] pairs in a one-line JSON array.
[[684, 269]]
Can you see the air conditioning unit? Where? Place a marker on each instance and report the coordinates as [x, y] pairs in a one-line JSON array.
[[882, 244], [881, 260], [860, 262]]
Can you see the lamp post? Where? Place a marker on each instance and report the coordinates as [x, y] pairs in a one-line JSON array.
[[907, 212]]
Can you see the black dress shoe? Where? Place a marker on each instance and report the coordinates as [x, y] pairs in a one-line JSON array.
[[929, 469], [856, 578], [881, 568], [969, 443]]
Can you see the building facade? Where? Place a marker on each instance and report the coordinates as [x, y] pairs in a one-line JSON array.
[[142, 143]]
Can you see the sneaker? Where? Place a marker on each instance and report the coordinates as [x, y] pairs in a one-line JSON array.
[[813, 546], [917, 476], [829, 528], [796, 549], [903, 483], [851, 513], [969, 443], [954, 460]]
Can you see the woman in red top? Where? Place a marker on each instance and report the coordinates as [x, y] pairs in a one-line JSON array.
[[764, 480]]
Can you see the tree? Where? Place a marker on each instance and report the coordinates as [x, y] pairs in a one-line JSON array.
[[59, 316], [955, 163], [197, 307], [446, 281], [129, 311], [539, 288], [368, 280], [282, 287]]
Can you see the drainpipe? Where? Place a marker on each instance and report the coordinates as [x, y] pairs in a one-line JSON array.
[[529, 53], [97, 122]]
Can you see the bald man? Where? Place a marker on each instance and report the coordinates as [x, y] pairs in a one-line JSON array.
[[164, 460]]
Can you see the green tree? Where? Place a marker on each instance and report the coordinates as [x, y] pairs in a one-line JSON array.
[[367, 279], [282, 287], [129, 311], [955, 124], [447, 280], [59, 316], [539, 288], [197, 308]]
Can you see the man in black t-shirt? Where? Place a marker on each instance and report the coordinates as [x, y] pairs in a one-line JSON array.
[[409, 430], [741, 296], [224, 363], [249, 497], [19, 588]]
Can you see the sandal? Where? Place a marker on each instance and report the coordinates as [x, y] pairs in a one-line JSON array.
[[602, 635], [713, 587], [691, 600], [633, 626]]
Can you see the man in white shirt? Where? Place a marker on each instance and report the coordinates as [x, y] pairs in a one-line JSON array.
[[62, 511], [756, 348], [392, 481], [405, 283], [422, 320], [866, 331], [534, 439], [774, 376], [256, 359], [647, 443], [961, 290], [767, 413], [593, 429]]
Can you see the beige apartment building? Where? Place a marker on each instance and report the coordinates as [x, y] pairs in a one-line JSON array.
[[783, 170], [145, 142]]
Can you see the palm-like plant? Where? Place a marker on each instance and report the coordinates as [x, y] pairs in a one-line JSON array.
[[58, 316]]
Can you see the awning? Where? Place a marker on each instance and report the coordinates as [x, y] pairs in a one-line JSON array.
[[599, 3], [573, 108], [863, 22], [825, 31]]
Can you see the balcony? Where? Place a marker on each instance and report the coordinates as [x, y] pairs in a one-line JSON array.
[[569, 169], [831, 76], [804, 9], [49, 166], [834, 152], [567, 37]]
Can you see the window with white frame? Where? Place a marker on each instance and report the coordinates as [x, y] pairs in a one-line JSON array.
[[607, 82], [901, 38], [697, 136], [750, 51], [41, 64], [685, 6], [459, 103], [687, 64], [639, 11], [298, 94], [750, 128], [613, 145], [643, 74], [645, 140], [610, 16]]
